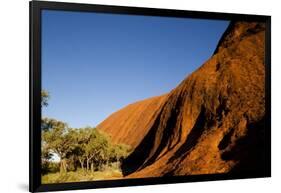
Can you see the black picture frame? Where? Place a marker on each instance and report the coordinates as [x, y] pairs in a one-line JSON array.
[[35, 93]]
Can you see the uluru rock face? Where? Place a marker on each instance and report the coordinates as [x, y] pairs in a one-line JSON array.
[[130, 124], [212, 122]]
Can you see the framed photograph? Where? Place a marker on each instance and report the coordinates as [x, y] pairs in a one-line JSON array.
[[126, 96]]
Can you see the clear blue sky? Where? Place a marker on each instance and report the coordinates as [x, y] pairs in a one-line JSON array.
[[94, 64]]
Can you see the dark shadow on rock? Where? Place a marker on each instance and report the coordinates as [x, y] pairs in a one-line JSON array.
[[137, 158], [163, 128], [250, 151], [193, 136], [226, 140], [167, 131]]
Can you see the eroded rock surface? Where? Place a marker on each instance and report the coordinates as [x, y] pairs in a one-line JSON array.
[[212, 122]]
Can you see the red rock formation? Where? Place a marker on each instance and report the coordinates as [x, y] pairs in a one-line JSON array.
[[130, 124], [213, 122]]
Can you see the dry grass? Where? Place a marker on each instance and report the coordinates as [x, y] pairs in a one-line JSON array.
[[80, 176]]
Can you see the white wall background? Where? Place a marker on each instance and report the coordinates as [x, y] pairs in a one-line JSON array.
[[14, 53]]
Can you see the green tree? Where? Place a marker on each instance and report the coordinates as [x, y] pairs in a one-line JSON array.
[[96, 150], [45, 96], [81, 141], [59, 140], [119, 152]]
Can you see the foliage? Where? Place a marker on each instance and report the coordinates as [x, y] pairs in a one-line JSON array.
[[81, 150], [85, 148], [45, 96]]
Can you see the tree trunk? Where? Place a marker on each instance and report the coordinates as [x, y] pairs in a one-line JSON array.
[[87, 164], [92, 167], [82, 164], [63, 167], [107, 163], [117, 162]]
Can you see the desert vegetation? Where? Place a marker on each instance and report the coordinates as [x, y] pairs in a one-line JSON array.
[[77, 154]]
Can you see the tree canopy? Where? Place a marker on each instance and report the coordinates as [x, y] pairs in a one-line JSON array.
[[86, 148]]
